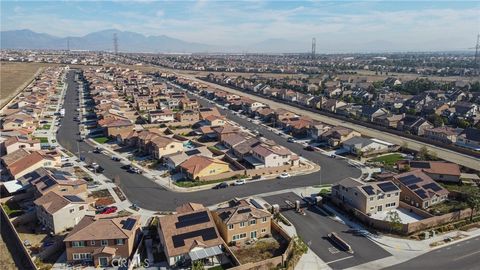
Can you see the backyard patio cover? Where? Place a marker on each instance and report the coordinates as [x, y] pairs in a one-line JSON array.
[[205, 253]]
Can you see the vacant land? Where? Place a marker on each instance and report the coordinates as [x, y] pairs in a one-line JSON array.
[[14, 77]]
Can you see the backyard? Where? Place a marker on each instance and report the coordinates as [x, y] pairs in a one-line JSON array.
[[265, 248], [389, 160]]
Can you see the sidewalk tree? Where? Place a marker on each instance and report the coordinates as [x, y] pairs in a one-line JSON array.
[[395, 220], [473, 201]]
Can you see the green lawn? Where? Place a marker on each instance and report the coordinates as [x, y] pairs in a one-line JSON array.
[[43, 139], [12, 209], [389, 159], [101, 139]]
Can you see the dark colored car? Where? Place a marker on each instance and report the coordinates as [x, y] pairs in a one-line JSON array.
[[221, 185], [97, 150], [309, 148], [68, 164], [126, 167]]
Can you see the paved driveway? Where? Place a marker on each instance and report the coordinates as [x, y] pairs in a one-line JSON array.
[[314, 227]]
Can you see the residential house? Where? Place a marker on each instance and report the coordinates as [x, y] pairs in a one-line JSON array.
[[469, 138], [437, 170], [161, 146], [205, 112], [365, 146], [419, 189], [414, 125], [174, 160], [42, 181], [317, 129], [241, 222], [390, 121], [371, 112], [442, 134], [161, 116], [368, 198], [197, 167], [190, 235], [466, 109], [215, 121], [21, 162], [59, 212], [187, 116], [189, 104], [338, 135], [272, 156], [100, 240], [113, 127], [14, 143]]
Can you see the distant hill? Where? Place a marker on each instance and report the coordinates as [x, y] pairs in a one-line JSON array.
[[102, 40]]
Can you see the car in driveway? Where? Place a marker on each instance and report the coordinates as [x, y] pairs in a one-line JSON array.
[[283, 175], [239, 182], [109, 210], [221, 185]]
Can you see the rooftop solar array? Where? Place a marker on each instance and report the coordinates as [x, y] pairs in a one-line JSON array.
[[73, 198], [369, 190], [206, 234], [413, 186], [432, 186], [421, 193], [410, 179], [387, 187], [418, 164], [192, 219], [204, 253], [192, 152], [244, 210], [129, 223], [256, 204]]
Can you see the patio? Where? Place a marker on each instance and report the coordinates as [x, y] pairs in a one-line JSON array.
[[405, 215]]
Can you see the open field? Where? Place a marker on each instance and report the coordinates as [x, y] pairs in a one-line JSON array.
[[14, 77]]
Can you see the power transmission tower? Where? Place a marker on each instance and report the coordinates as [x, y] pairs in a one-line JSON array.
[[477, 48], [115, 43], [314, 47]]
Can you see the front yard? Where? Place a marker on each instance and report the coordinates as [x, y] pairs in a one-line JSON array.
[[101, 140]]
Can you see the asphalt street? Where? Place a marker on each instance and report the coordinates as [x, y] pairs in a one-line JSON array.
[[149, 195], [314, 228], [462, 256]]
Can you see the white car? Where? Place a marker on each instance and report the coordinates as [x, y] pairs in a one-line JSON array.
[[239, 182], [283, 175]]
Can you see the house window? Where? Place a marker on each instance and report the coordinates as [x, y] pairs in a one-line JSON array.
[[78, 244], [396, 193], [103, 242], [253, 234], [264, 220], [264, 230], [92, 243], [388, 195], [242, 224], [81, 207], [230, 226], [371, 198], [82, 256], [119, 242], [253, 222], [71, 210]]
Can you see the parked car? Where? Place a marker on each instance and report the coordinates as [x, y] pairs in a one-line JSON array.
[[97, 150], [239, 182], [309, 148], [67, 164], [109, 210], [114, 158], [221, 185], [291, 140], [283, 175], [126, 167]]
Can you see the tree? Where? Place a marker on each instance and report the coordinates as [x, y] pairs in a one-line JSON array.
[[423, 153], [198, 265], [473, 201], [395, 220]]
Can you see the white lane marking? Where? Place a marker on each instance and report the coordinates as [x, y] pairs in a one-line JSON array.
[[334, 261], [466, 255]]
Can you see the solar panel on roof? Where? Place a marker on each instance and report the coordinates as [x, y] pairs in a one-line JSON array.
[[245, 210], [432, 186], [387, 187], [369, 190], [256, 204], [129, 223], [48, 183], [421, 193], [206, 234], [409, 179], [192, 152], [192, 219], [422, 165], [413, 187], [73, 198]]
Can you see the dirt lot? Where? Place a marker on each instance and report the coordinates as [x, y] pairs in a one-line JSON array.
[[263, 249], [14, 77]]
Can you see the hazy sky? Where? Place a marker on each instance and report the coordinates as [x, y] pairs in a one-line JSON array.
[[420, 25]]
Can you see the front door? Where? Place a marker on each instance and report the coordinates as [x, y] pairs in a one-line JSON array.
[[103, 261], [253, 234]]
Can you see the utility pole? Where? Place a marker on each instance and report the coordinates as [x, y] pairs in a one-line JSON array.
[[115, 44]]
